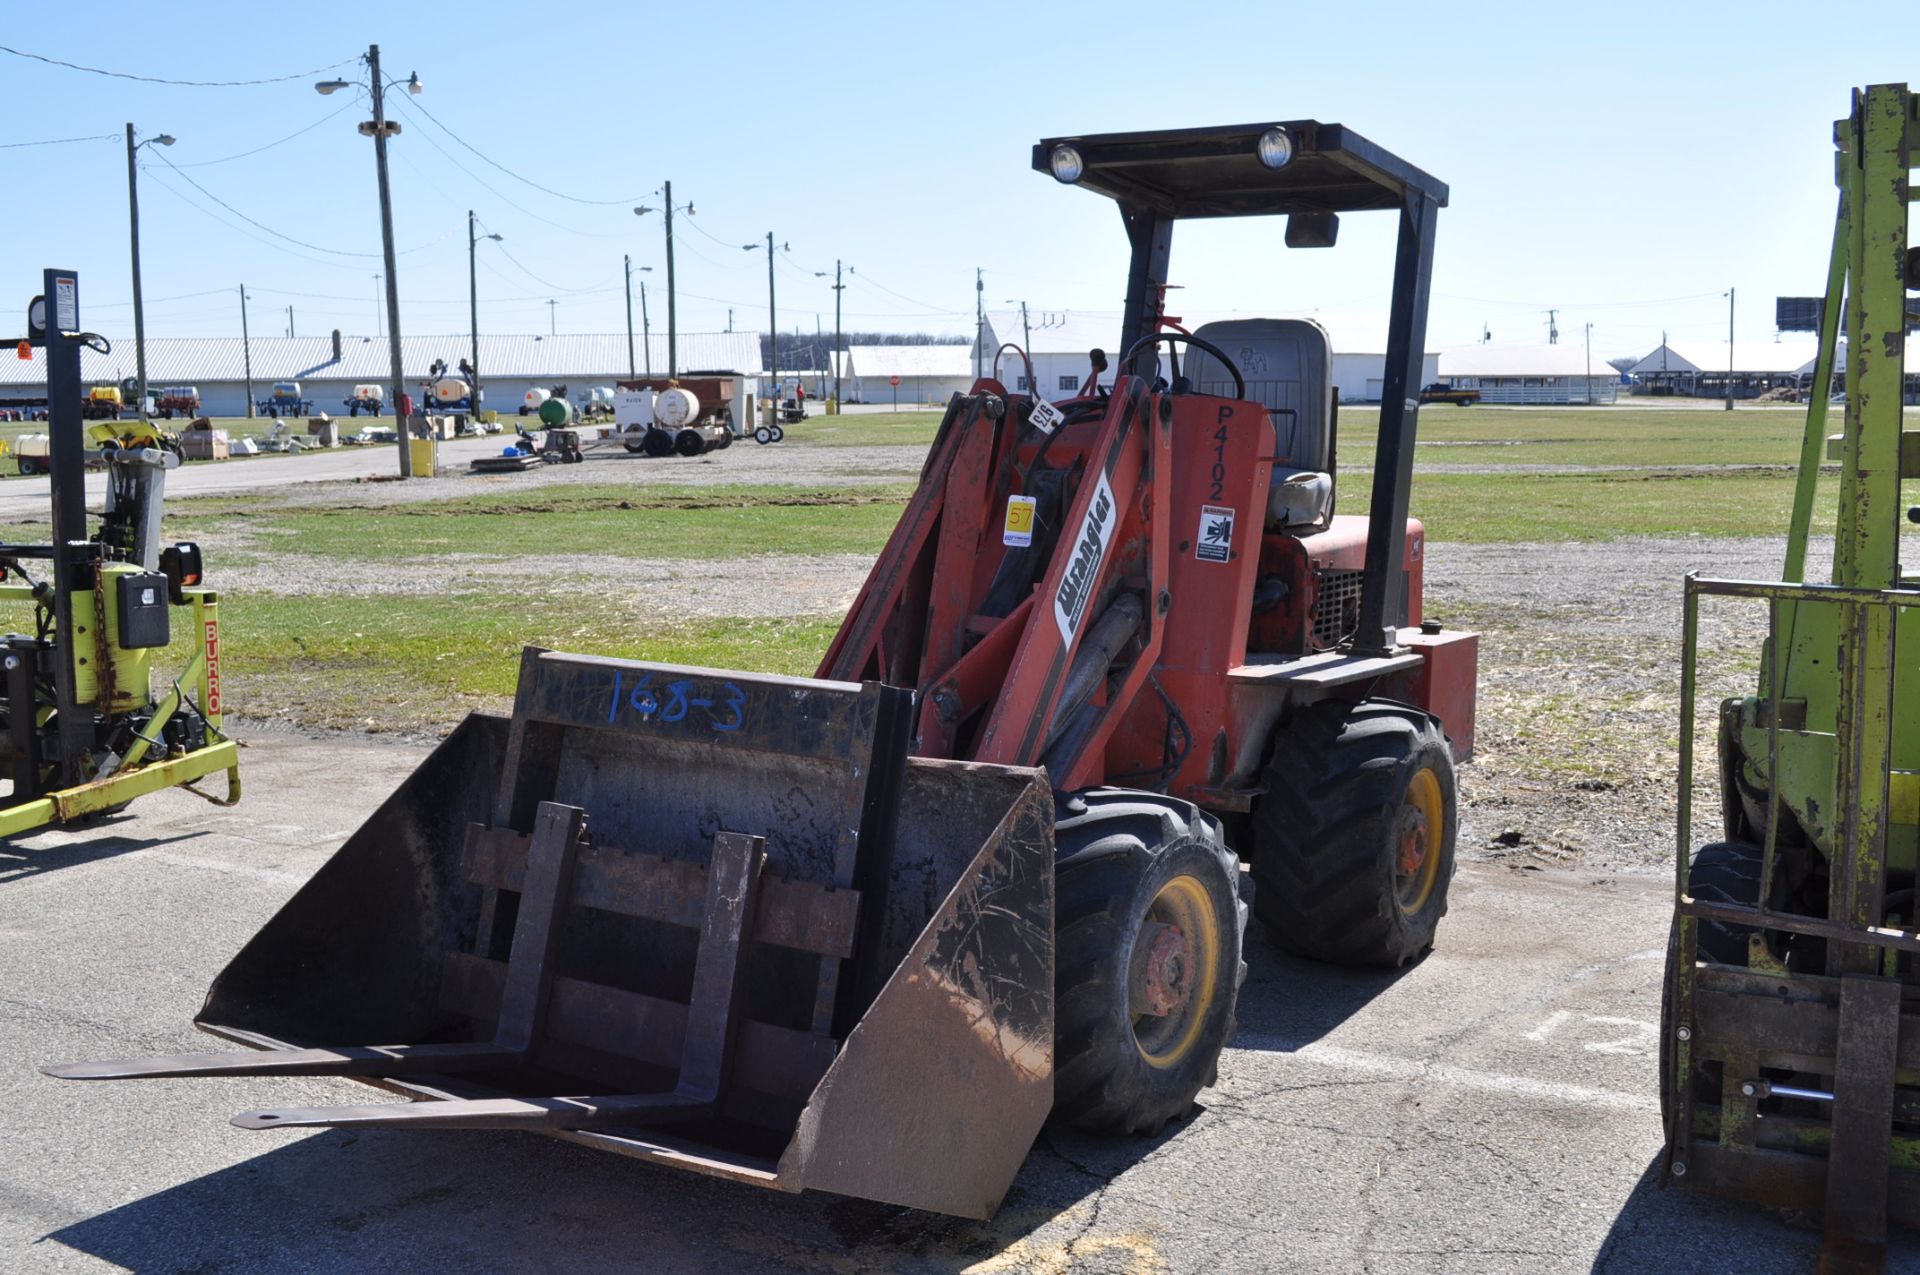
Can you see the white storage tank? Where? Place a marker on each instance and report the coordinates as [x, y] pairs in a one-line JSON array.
[[676, 407]]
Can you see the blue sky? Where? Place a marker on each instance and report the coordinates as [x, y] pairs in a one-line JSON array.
[[1624, 164]]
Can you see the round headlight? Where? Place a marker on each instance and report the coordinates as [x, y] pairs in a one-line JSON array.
[[1066, 164], [1275, 148]]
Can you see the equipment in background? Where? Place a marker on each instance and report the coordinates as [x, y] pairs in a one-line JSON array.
[[285, 400], [531, 401], [178, 400], [678, 416], [370, 399], [865, 932], [82, 729], [593, 402], [1789, 1039], [103, 403]]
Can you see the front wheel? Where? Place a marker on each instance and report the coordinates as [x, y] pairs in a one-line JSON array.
[[763, 435], [1354, 839], [1148, 925]]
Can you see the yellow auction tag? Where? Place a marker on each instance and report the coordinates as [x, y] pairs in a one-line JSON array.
[[1018, 531]]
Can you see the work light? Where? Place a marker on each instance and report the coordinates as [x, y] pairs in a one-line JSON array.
[[1066, 164], [1275, 148]]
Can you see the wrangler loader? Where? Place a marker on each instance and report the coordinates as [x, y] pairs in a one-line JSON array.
[[1790, 1025], [865, 932]]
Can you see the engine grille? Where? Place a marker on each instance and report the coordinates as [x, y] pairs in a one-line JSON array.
[[1336, 606]]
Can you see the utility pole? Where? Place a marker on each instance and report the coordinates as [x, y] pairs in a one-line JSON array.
[[246, 349], [1729, 349], [473, 309], [979, 316], [1589, 365], [380, 130], [552, 330], [646, 329], [673, 327], [626, 265], [838, 288], [289, 323], [1553, 327], [773, 331], [133, 225], [379, 323]]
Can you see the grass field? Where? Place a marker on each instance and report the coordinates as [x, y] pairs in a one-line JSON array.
[[413, 643]]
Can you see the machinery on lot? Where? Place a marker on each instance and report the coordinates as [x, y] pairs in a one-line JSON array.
[[178, 400], [677, 416], [285, 400], [102, 403], [365, 398], [1790, 1026], [865, 932], [82, 730]]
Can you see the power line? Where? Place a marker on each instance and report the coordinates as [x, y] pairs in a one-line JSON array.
[[154, 79], [61, 141], [481, 182], [168, 186], [337, 252], [527, 181], [347, 106], [903, 296]]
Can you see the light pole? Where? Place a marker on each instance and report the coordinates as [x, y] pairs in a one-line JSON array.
[[246, 349], [473, 310], [1729, 349], [646, 330], [627, 262], [133, 221], [552, 323], [838, 288], [1590, 365], [673, 329], [773, 325], [380, 128]]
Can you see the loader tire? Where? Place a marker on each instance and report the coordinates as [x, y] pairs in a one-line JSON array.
[[1353, 841], [1147, 963]]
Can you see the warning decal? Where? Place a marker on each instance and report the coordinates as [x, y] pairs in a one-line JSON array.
[[1215, 541]]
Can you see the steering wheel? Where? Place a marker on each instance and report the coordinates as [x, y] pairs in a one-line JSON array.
[[1239, 381]]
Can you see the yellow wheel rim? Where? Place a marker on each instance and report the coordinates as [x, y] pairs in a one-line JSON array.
[[1175, 971], [1421, 838]]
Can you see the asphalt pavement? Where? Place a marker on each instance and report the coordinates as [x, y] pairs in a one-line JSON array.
[[1491, 1109]]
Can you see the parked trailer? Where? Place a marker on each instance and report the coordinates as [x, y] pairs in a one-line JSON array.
[[285, 401], [178, 400], [365, 398]]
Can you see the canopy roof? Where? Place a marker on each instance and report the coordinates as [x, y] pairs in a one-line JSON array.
[[1216, 172]]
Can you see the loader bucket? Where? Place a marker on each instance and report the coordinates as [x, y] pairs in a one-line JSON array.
[[710, 919]]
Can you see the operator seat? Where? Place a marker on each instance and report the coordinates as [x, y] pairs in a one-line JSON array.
[[1288, 366]]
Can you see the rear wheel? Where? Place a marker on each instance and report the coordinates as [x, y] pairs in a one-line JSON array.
[[1354, 839], [763, 435], [1148, 962]]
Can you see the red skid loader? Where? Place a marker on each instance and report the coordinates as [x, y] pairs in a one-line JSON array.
[[865, 932]]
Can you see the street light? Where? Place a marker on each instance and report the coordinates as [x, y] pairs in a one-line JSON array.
[[380, 128], [627, 261], [133, 222], [838, 288], [473, 301], [673, 330], [773, 324]]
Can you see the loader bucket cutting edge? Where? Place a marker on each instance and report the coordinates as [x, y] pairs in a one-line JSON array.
[[716, 920]]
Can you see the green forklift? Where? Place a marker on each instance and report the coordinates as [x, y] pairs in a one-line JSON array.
[[1790, 1041]]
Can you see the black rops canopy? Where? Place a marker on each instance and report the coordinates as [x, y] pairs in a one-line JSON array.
[[1216, 172]]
